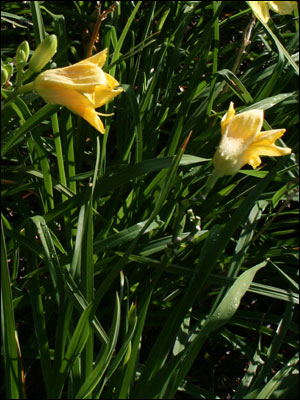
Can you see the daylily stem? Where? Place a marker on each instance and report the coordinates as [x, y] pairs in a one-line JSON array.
[[29, 87], [13, 94], [245, 42], [100, 18], [210, 183]]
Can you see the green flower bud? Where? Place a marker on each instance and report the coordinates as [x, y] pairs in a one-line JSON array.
[[22, 52], [20, 56], [43, 53], [9, 69], [4, 75]]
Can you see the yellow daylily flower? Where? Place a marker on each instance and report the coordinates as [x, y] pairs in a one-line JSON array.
[[243, 143], [81, 87], [261, 8]]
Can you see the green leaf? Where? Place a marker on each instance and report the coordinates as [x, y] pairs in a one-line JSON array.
[[18, 136], [75, 347], [103, 362], [8, 328], [231, 301]]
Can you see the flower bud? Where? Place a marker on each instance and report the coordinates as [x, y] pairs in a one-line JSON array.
[[22, 53], [4, 76], [43, 53], [10, 69]]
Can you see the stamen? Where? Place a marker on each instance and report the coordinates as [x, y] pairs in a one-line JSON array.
[[104, 115]]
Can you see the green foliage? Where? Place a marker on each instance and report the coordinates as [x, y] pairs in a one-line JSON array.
[[119, 278]]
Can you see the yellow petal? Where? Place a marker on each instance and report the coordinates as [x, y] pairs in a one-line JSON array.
[[269, 136], [91, 116], [245, 126], [268, 150], [110, 81], [80, 76], [254, 160], [252, 154], [260, 10], [103, 95], [283, 7], [227, 117], [54, 94], [98, 59], [74, 101], [80, 104]]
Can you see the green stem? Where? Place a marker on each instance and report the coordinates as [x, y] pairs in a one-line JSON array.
[[12, 96], [211, 181], [29, 87]]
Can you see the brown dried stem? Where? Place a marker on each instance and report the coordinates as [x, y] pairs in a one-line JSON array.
[[100, 18]]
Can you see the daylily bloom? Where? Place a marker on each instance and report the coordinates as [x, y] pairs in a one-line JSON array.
[[243, 143], [261, 8], [81, 87]]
